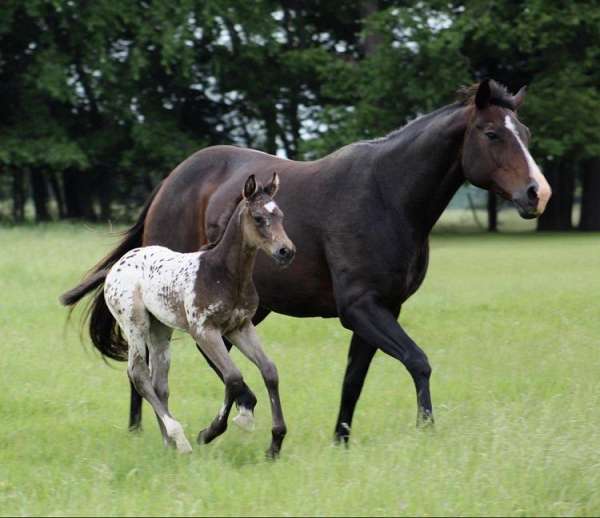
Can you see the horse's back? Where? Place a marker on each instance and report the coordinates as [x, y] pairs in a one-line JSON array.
[[177, 217]]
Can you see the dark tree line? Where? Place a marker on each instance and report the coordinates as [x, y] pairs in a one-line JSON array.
[[99, 100]]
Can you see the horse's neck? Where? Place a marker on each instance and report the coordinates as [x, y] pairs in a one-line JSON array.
[[234, 254], [419, 167]]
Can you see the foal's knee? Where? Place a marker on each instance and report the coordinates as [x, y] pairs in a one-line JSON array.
[[270, 374], [234, 383], [162, 392]]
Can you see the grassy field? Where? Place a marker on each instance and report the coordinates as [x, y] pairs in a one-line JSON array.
[[511, 324]]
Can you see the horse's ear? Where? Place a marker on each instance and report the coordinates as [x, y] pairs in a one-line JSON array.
[[273, 186], [483, 95], [519, 97], [250, 187]]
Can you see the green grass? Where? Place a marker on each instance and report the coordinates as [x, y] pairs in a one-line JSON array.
[[511, 324]]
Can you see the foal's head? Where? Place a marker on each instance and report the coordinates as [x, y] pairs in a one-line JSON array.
[[262, 220], [495, 149]]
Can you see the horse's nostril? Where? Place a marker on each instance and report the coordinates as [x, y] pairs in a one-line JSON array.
[[532, 193], [283, 252]]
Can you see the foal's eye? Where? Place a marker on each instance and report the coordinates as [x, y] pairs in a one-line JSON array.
[[491, 135], [259, 220]]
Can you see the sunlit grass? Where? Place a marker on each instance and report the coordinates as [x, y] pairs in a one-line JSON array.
[[511, 325]]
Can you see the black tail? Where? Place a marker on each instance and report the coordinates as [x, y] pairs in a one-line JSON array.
[[105, 334]]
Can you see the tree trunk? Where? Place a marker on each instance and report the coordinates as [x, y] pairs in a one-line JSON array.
[[590, 198], [57, 191], [557, 216], [270, 118], [492, 210], [103, 188], [18, 188], [372, 41], [78, 202], [39, 191]]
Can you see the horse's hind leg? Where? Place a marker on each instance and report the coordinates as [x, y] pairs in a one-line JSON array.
[[160, 361], [247, 341], [211, 343], [137, 332]]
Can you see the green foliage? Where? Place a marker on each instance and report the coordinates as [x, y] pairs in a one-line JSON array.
[[134, 87]]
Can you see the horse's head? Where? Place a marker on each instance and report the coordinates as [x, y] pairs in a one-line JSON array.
[[262, 221], [495, 150]]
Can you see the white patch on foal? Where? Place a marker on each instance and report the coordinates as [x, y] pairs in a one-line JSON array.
[[534, 170], [175, 432], [245, 419], [271, 206]]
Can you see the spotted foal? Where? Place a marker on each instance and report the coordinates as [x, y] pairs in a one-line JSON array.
[[209, 294]]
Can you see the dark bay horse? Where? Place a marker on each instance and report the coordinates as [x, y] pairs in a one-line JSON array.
[[360, 218]]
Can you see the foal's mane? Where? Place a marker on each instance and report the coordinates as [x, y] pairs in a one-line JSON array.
[[500, 96]]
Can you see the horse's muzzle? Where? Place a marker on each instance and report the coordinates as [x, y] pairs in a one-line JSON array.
[[528, 202]]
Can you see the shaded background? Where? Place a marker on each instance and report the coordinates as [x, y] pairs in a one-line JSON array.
[[100, 100]]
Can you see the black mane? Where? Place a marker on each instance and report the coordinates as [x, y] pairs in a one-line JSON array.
[[500, 95]]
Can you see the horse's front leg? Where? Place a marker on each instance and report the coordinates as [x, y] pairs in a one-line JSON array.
[[210, 342], [246, 340], [360, 355], [377, 325]]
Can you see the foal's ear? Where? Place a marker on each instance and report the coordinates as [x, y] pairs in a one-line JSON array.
[[273, 186], [250, 187], [519, 97], [483, 95]]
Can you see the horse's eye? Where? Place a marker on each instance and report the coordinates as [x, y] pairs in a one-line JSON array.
[[491, 135], [259, 220]]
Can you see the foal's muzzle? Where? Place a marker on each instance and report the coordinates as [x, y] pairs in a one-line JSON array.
[[284, 255]]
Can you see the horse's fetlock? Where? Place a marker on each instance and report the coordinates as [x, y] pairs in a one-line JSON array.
[[279, 431]]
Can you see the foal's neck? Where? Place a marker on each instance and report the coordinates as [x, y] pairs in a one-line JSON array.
[[233, 254], [419, 166]]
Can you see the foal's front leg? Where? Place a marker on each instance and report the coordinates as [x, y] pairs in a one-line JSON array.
[[211, 343], [246, 340]]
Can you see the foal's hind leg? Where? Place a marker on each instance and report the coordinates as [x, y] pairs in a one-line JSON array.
[[160, 361], [247, 341], [211, 343], [137, 332]]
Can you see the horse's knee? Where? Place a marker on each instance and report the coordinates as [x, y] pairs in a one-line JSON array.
[[419, 367]]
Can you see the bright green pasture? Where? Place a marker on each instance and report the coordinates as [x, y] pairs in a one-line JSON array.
[[511, 324]]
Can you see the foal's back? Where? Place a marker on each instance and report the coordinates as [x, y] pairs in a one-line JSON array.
[[153, 279]]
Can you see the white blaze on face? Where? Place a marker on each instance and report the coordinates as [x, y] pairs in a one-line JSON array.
[[544, 190], [270, 207]]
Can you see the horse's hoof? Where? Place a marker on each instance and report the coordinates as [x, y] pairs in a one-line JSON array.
[[272, 453], [245, 419], [425, 421]]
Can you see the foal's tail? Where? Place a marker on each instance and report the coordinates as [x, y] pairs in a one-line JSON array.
[[104, 331]]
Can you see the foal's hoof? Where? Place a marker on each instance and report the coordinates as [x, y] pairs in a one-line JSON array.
[[245, 419], [183, 446], [203, 437]]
